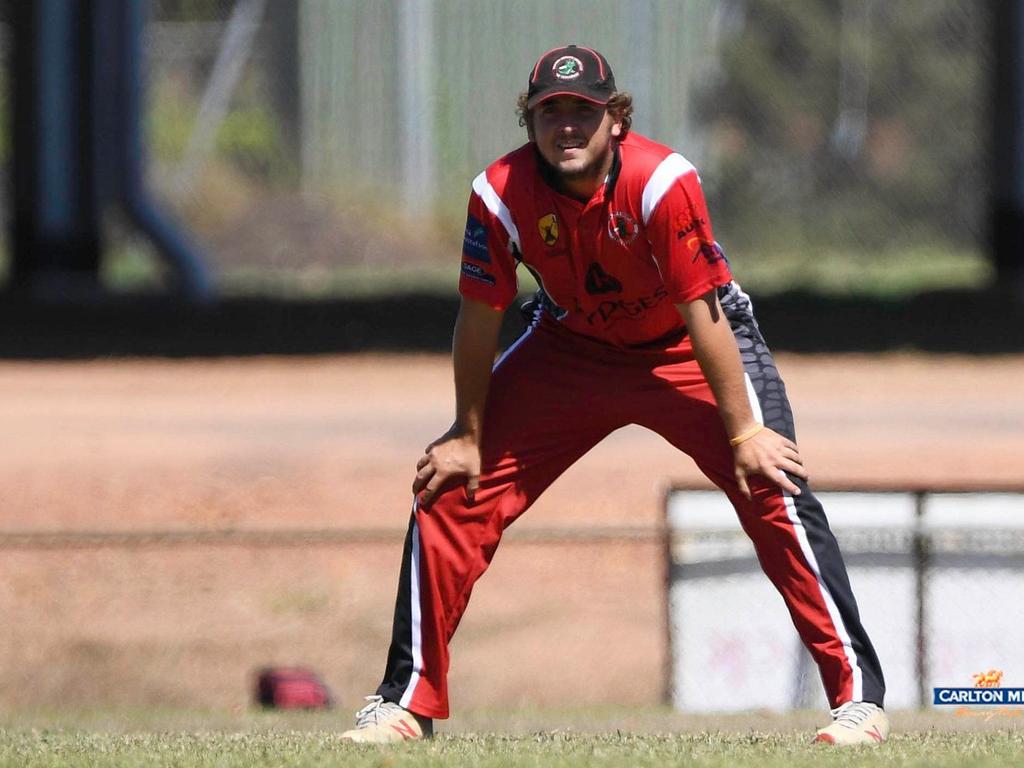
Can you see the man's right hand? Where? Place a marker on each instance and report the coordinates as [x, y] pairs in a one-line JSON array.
[[454, 454]]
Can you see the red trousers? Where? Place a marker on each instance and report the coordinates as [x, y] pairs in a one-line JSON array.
[[553, 396]]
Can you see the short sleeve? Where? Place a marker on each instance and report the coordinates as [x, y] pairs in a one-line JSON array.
[[681, 238], [488, 266]]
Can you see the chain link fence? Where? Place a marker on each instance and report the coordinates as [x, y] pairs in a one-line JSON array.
[[185, 617], [935, 576], [327, 147]]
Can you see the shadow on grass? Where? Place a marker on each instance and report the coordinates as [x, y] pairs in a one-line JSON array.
[[967, 322]]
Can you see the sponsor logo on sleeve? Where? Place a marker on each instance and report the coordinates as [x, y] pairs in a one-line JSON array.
[[548, 227], [685, 224], [474, 242], [476, 272], [709, 249]]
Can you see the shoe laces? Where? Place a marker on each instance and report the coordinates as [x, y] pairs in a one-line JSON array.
[[375, 711], [853, 713]]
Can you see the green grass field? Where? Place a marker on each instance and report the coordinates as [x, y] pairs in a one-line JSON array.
[[594, 737]]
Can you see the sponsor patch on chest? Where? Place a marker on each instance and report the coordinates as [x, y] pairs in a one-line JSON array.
[[622, 228], [548, 228], [611, 311], [598, 281]]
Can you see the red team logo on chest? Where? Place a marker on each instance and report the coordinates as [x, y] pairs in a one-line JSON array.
[[622, 228]]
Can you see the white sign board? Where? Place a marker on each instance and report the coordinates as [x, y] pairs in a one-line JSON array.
[[733, 646]]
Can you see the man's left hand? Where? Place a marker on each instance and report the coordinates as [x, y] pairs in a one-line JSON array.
[[770, 455]]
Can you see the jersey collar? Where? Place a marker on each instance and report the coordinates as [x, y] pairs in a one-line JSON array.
[[613, 174]]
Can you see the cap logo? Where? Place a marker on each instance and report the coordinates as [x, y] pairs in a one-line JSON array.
[[567, 68]]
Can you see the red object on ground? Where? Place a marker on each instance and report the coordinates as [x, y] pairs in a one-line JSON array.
[[292, 688]]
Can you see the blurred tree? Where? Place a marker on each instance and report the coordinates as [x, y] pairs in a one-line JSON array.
[[191, 10], [853, 122]]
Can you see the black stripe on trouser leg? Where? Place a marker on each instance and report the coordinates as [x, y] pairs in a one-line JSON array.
[[777, 414], [398, 672], [833, 572]]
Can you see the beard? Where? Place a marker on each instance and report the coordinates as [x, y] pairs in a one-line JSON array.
[[590, 170]]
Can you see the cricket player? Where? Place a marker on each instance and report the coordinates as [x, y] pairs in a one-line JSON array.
[[638, 321]]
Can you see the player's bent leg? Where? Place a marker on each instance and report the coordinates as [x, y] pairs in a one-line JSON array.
[[800, 556], [531, 435], [809, 527], [791, 535], [798, 553], [449, 546], [821, 550]]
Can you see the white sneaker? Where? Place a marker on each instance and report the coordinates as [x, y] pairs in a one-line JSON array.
[[384, 722], [856, 722]]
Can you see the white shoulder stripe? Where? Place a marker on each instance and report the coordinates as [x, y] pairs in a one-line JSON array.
[[670, 169], [497, 207]]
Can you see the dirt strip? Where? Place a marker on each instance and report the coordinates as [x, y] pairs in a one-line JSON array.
[[292, 444]]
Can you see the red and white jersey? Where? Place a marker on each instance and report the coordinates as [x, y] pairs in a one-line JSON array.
[[614, 267]]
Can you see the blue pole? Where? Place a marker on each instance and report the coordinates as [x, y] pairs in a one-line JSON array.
[[171, 240]]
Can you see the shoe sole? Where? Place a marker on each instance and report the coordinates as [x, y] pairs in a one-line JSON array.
[[828, 738]]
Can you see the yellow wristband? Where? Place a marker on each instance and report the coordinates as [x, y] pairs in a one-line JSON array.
[[734, 441]]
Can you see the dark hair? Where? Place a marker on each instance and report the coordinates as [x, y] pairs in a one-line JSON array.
[[620, 106]]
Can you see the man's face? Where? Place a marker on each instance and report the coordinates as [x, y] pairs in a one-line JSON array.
[[575, 135]]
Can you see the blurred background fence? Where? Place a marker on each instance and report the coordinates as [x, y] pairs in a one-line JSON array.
[[326, 147], [934, 574]]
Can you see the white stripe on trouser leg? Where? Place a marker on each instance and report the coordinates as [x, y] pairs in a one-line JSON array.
[[414, 598], [512, 348], [857, 694], [414, 580]]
